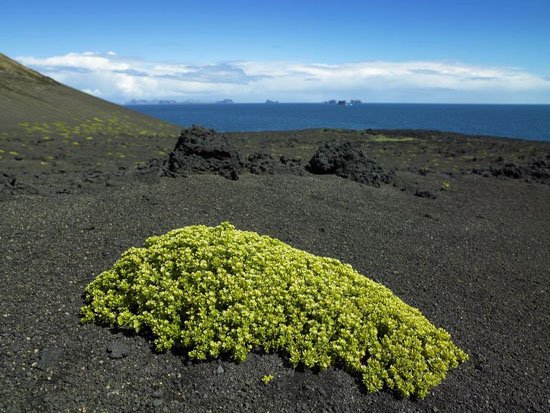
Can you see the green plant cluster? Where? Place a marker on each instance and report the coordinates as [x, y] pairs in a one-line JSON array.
[[214, 290], [267, 378]]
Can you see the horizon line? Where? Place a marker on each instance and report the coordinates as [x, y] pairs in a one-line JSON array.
[[217, 103]]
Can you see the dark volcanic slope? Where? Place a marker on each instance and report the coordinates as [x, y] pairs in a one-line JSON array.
[[44, 124], [474, 260], [29, 101]]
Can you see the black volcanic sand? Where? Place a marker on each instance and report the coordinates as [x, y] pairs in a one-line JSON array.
[[473, 258]]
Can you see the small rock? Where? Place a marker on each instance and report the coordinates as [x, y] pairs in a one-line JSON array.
[[424, 193], [220, 370]]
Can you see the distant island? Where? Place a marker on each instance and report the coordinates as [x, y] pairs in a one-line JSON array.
[[151, 102], [136, 102], [343, 102]]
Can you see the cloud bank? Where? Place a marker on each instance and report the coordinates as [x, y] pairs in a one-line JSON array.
[[120, 79]]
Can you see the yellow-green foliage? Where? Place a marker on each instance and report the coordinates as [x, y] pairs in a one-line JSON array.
[[384, 138], [267, 378], [82, 127], [216, 290]]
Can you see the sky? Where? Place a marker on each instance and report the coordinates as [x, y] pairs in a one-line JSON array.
[[417, 51]]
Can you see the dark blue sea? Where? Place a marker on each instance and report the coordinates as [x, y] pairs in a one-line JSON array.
[[513, 121]]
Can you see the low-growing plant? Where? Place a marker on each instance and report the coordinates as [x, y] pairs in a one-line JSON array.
[[384, 138], [267, 378], [218, 290]]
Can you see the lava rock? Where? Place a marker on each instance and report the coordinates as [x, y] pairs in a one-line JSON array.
[[537, 170], [7, 179], [509, 170], [424, 193], [204, 150], [263, 163], [347, 160], [151, 170]]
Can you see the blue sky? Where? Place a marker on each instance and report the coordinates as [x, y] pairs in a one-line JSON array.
[[395, 50]]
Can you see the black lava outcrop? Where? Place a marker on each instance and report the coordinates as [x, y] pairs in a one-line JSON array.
[[263, 163], [347, 160], [537, 170], [204, 150]]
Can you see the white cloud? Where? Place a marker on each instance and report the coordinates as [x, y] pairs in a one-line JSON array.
[[119, 79], [87, 60], [95, 92]]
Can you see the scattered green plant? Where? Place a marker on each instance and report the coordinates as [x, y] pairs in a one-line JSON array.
[[445, 186], [83, 128], [384, 138], [267, 378], [218, 290]]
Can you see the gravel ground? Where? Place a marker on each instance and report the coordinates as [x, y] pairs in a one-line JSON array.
[[475, 260]]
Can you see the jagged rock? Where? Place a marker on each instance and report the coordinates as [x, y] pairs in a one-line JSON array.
[[204, 150], [509, 170], [347, 160], [537, 170]]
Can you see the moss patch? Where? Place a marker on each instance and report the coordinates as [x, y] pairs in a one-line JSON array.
[[384, 138], [214, 290]]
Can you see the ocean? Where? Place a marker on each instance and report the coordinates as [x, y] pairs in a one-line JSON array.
[[513, 121]]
